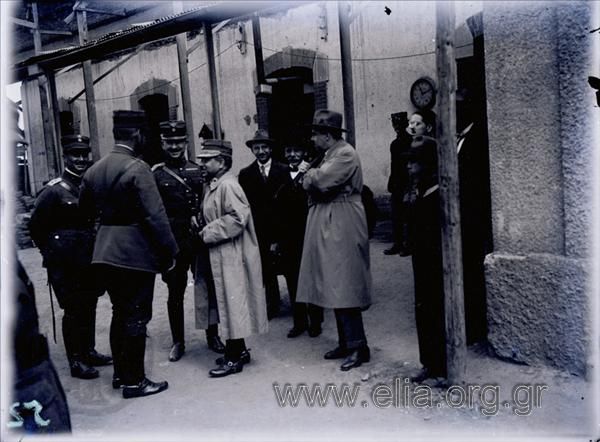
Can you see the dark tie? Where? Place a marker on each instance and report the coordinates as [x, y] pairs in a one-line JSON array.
[[263, 172]]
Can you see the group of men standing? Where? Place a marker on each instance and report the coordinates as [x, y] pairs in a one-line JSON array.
[[119, 223]]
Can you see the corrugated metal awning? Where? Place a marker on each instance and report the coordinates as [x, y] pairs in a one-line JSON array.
[[161, 28]]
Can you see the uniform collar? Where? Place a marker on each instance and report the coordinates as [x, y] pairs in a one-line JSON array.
[[214, 183]]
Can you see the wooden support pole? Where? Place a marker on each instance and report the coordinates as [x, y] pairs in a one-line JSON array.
[[258, 52], [90, 97], [449, 195], [56, 120], [212, 73], [34, 129], [37, 37], [184, 81], [347, 82]]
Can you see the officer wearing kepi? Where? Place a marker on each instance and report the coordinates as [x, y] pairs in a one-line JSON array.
[[65, 238], [180, 183]]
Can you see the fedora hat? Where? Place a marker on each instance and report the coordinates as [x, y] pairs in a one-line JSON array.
[[325, 119], [260, 136]]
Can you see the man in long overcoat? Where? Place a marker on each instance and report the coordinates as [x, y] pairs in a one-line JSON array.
[[260, 181], [335, 270], [134, 242], [234, 257]]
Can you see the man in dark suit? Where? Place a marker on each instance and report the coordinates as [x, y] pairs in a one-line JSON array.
[[66, 240], [292, 207], [180, 183], [133, 243], [260, 181]]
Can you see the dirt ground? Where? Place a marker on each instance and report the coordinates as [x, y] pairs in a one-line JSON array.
[[245, 406]]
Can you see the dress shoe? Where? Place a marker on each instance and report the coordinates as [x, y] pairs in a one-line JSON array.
[[144, 388], [83, 371], [96, 359], [356, 359], [227, 368], [296, 331], [314, 330], [117, 383], [244, 358], [337, 353], [215, 344], [394, 250], [177, 351]]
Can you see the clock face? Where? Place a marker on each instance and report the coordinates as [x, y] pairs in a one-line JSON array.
[[422, 93]]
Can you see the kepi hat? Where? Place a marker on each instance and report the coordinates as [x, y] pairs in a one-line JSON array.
[[214, 148], [75, 142], [173, 130]]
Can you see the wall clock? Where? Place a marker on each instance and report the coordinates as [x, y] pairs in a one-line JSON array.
[[422, 93]]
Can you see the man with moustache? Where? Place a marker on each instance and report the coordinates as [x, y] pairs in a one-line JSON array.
[[292, 209], [180, 183], [66, 240]]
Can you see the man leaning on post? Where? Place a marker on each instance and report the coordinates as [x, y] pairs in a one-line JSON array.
[[133, 243]]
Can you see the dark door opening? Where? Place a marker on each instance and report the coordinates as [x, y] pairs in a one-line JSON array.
[[156, 107], [292, 106], [476, 218]]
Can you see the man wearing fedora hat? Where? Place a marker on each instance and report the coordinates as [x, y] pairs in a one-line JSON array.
[[180, 183], [66, 240], [234, 258], [134, 242], [335, 270], [260, 181]]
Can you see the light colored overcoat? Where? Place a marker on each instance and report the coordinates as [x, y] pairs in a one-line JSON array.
[[234, 259], [335, 270]]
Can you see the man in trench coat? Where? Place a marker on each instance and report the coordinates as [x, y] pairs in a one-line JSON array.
[[335, 270], [234, 258]]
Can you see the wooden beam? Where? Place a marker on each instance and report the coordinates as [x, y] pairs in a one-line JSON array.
[[90, 97], [184, 81], [37, 38], [34, 129], [258, 53], [456, 350], [347, 82], [212, 73], [55, 112], [109, 71]]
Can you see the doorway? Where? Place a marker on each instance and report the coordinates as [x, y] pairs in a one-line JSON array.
[[292, 105], [156, 107]]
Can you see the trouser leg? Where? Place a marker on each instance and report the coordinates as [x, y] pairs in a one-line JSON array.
[[177, 283], [131, 293], [351, 331], [234, 349]]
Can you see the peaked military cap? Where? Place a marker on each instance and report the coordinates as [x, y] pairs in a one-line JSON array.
[[75, 142], [214, 148], [174, 130], [125, 119]]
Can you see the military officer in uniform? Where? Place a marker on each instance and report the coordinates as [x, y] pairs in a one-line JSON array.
[[133, 243], [180, 183], [66, 240]]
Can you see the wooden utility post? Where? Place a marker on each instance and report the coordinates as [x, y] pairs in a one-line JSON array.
[[449, 195], [212, 73], [184, 81], [88, 81], [258, 54], [347, 84]]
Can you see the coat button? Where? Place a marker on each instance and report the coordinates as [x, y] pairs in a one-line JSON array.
[[56, 237]]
